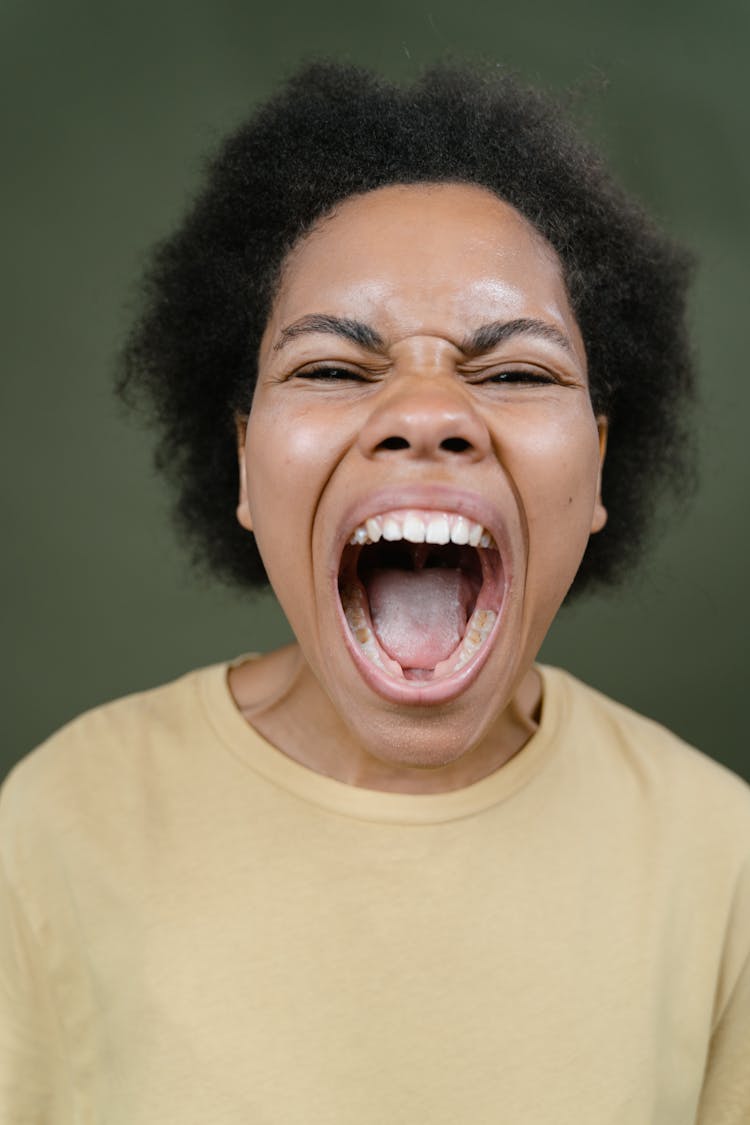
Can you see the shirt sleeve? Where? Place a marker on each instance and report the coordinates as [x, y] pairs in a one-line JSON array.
[[725, 1099], [34, 1088]]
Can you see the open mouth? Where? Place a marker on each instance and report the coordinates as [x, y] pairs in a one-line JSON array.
[[421, 592]]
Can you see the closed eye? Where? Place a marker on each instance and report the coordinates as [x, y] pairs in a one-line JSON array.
[[329, 372], [520, 376]]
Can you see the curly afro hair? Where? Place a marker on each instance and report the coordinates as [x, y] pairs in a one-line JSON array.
[[334, 131]]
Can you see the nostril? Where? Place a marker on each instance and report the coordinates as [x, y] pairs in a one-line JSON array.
[[455, 445], [394, 443]]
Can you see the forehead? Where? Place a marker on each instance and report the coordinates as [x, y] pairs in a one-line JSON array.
[[432, 259]]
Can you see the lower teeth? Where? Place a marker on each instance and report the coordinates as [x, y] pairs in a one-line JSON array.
[[477, 630], [361, 631]]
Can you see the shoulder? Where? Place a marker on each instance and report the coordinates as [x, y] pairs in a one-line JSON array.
[[103, 755], [641, 756]]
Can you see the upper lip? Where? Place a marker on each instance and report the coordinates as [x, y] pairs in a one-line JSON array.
[[436, 497]]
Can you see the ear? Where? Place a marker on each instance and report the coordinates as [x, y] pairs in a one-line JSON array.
[[243, 510], [599, 517]]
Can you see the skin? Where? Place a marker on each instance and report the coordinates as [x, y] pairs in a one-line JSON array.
[[511, 428]]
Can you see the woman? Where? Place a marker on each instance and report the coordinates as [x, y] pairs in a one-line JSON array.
[[419, 363]]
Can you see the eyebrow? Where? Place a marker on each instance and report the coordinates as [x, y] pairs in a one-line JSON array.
[[482, 340], [490, 335], [353, 330]]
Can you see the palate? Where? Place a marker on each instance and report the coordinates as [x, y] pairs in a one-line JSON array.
[[402, 555]]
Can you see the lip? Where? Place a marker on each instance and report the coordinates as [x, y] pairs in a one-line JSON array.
[[427, 497]]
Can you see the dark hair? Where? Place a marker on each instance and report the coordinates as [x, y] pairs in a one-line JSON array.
[[334, 131]]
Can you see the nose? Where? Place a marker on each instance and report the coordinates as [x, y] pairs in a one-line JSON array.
[[425, 418]]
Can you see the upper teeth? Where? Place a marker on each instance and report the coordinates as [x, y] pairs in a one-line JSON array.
[[422, 527]]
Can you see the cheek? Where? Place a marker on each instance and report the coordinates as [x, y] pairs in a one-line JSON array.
[[559, 489], [277, 440], [289, 457], [281, 451]]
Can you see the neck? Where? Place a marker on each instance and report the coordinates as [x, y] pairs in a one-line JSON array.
[[280, 697]]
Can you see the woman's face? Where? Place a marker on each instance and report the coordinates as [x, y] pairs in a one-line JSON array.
[[421, 467]]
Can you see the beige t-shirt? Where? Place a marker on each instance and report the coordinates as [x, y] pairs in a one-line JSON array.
[[196, 929]]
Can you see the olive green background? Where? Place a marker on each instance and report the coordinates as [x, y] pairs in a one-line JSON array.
[[108, 109]]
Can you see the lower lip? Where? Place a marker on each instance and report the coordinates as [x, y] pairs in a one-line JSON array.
[[418, 693]]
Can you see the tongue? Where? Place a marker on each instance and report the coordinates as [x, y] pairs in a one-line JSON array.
[[419, 616]]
